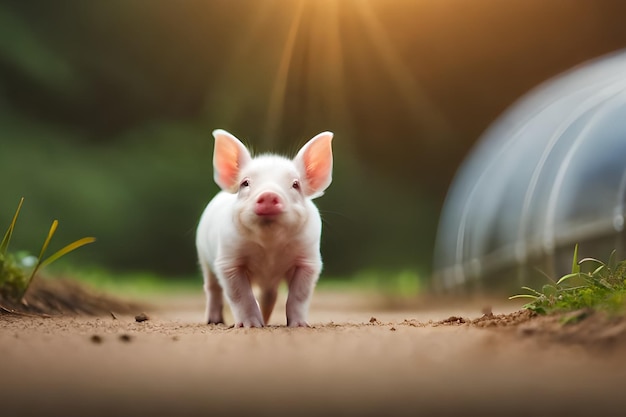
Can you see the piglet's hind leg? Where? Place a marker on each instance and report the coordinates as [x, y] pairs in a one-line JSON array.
[[215, 300], [267, 301]]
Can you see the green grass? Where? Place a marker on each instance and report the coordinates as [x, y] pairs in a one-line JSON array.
[[591, 284], [145, 284], [132, 284], [401, 283], [17, 271]]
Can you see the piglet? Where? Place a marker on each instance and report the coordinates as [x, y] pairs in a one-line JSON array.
[[262, 229]]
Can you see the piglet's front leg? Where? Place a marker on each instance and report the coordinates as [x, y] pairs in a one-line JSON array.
[[238, 291], [301, 285]]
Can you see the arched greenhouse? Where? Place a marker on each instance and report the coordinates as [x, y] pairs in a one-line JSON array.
[[549, 174]]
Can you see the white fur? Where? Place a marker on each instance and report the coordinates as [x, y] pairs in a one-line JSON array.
[[238, 249]]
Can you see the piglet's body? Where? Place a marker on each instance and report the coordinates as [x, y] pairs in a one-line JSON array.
[[263, 229]]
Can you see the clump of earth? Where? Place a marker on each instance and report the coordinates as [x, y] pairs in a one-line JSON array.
[[52, 297]]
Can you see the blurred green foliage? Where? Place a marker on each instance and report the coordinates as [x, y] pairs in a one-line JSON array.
[[105, 118], [106, 109]]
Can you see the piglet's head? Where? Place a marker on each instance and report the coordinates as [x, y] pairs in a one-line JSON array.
[[272, 189]]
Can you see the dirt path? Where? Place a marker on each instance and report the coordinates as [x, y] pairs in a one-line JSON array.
[[347, 364]]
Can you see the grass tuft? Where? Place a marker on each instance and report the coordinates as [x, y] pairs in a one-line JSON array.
[[14, 277], [591, 284]]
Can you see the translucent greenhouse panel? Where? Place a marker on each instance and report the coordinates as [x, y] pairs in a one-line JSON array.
[[549, 174]]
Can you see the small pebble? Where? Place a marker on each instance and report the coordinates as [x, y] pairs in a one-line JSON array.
[[141, 317], [96, 339]]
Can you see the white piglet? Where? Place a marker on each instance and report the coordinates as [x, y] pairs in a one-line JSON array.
[[262, 229]]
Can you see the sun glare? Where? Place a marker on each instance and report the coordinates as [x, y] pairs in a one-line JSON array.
[[325, 53]]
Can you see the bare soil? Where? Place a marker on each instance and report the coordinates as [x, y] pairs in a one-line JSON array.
[[362, 356]]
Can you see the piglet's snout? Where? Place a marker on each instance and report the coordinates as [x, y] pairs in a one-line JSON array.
[[268, 204]]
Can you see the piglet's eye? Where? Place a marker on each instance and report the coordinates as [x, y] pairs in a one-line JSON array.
[[296, 185], [244, 183]]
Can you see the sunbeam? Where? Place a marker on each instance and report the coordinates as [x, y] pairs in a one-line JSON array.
[[276, 105], [406, 84], [321, 57]]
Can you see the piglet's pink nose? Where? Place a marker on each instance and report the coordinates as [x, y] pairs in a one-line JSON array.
[[268, 204]]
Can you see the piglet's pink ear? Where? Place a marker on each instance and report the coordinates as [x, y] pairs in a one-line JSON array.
[[315, 162], [229, 156]]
